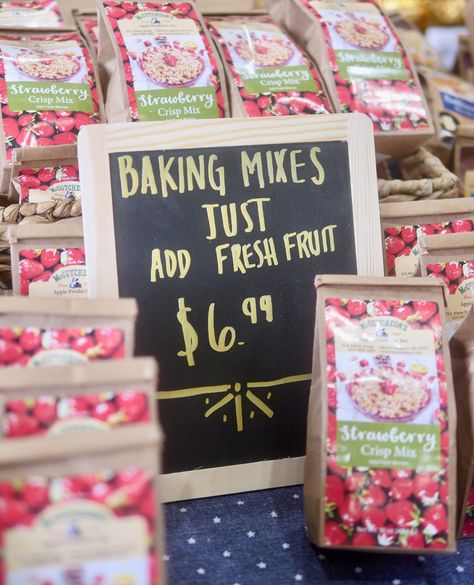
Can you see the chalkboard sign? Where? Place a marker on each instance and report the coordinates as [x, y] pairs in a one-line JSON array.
[[219, 244]]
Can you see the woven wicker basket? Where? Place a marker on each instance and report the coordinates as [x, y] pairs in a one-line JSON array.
[[423, 177]]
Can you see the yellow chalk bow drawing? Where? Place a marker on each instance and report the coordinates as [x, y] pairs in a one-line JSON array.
[[233, 392]]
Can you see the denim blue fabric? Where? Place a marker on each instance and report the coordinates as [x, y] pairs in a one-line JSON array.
[[258, 538]]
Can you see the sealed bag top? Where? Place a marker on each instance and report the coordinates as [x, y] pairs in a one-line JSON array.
[[48, 89], [273, 75], [31, 14]]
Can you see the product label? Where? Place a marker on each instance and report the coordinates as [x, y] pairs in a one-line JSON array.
[[402, 248], [38, 185], [83, 531], [41, 78], [458, 104], [459, 276], [35, 14], [387, 423], [454, 97], [53, 272], [31, 346], [171, 67], [60, 414], [68, 191]]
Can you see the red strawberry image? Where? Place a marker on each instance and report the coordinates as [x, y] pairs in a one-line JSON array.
[[30, 269], [334, 493], [19, 425], [72, 257], [453, 270], [387, 535], [462, 225], [30, 339], [36, 493], [104, 411], [133, 405], [350, 510], [10, 352], [363, 539], [401, 489], [403, 312], [49, 258], [373, 496], [412, 540], [356, 308], [334, 535], [83, 344], [425, 309], [401, 473], [425, 489], [444, 492], [408, 234], [381, 478], [403, 514], [45, 410], [434, 520], [394, 245], [12, 512], [373, 518], [355, 481], [438, 543]]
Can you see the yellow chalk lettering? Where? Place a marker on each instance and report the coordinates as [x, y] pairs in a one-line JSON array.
[[165, 175], [216, 176], [313, 155], [211, 219], [128, 172], [156, 265], [250, 165], [221, 257], [280, 176], [295, 165], [195, 174], [148, 177]]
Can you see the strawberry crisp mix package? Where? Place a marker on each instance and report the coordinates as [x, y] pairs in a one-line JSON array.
[[364, 66], [42, 332], [48, 260], [451, 259], [88, 24], [158, 62], [462, 358], [45, 174], [83, 511], [381, 451], [75, 399], [30, 14], [268, 74], [48, 90], [402, 224]]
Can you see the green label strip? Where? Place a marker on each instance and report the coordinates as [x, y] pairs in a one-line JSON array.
[[47, 95], [166, 104], [370, 65], [272, 79], [382, 445]]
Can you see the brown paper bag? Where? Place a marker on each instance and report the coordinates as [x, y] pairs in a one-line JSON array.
[[462, 358], [98, 396], [41, 332], [44, 174], [451, 259], [93, 504], [267, 74], [465, 62], [60, 97], [157, 62], [48, 260], [380, 469], [402, 224], [364, 66]]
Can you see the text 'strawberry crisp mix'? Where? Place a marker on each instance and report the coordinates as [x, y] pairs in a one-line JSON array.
[[387, 466], [166, 59], [102, 521], [404, 223], [269, 75], [48, 90], [98, 396], [450, 258], [48, 260], [31, 14], [60, 331], [364, 66]]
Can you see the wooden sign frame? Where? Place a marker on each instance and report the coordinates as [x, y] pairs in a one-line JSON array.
[[98, 142]]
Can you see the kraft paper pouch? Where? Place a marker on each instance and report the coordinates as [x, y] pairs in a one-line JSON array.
[[268, 75], [415, 43], [31, 14], [451, 259], [98, 396], [45, 174], [82, 511], [402, 224], [88, 24], [380, 471], [364, 66], [49, 92], [157, 62], [462, 358], [451, 101], [48, 260], [42, 332], [464, 158]]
